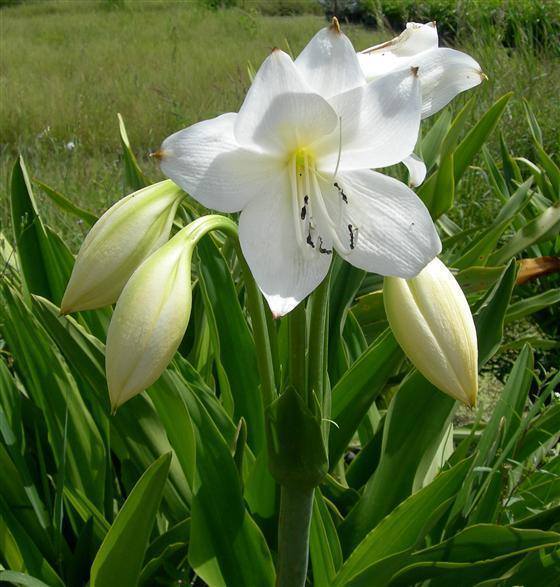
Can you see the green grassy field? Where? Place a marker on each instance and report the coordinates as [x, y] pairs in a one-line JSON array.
[[69, 67]]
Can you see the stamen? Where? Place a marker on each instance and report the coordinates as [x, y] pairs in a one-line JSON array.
[[295, 201], [339, 145], [323, 250], [324, 214], [341, 192], [353, 236]]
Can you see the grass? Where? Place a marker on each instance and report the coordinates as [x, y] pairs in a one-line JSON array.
[[69, 67]]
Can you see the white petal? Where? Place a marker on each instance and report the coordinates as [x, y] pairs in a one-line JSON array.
[[285, 272], [416, 170], [278, 101], [444, 73], [379, 122], [294, 120], [394, 54], [329, 63], [206, 161], [395, 234]]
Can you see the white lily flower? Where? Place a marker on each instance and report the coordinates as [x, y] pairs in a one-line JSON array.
[[299, 168], [443, 72], [149, 320], [119, 241], [431, 320]]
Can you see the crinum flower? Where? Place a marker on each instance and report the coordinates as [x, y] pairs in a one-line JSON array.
[[297, 161], [443, 73]]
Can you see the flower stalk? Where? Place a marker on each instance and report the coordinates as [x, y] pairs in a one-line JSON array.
[[296, 506]]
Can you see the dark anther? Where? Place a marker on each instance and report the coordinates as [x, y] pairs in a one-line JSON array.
[[306, 200], [351, 231], [322, 250], [310, 242], [341, 192], [303, 212]]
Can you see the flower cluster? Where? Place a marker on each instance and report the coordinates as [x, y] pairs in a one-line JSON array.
[[298, 162]]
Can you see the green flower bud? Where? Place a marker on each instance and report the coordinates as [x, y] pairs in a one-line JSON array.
[[431, 320], [149, 320], [117, 244]]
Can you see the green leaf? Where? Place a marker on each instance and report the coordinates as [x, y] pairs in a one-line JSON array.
[[529, 306], [476, 553], [345, 283], [119, 559], [475, 279], [324, 547], [477, 136], [232, 339], [226, 546], [545, 226], [162, 549], [76, 444], [134, 179], [29, 232], [21, 579], [19, 550], [542, 429], [417, 418], [478, 252], [357, 389], [404, 526], [66, 205], [491, 313], [432, 142]]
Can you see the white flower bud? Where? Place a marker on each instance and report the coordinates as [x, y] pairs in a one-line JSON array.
[[119, 241], [149, 320], [431, 320]]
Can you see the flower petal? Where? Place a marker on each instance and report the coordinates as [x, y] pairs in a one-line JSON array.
[[329, 63], [285, 271], [379, 124], [294, 120], [206, 161], [393, 233], [279, 101], [416, 170], [394, 54], [444, 73]]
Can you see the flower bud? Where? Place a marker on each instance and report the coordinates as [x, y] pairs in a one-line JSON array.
[[431, 320], [149, 320], [119, 241]]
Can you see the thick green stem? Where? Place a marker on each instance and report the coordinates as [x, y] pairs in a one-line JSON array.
[[318, 328], [296, 506], [297, 366]]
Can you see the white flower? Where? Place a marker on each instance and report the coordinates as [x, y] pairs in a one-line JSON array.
[[119, 241], [149, 320], [431, 320], [297, 160], [443, 72]]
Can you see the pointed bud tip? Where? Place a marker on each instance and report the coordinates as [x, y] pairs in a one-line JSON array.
[[159, 154], [335, 25], [275, 50], [483, 76], [433, 23], [414, 71]]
